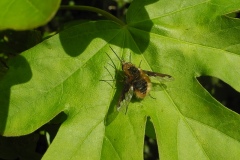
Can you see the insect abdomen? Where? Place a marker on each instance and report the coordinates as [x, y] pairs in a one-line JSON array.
[[142, 86]]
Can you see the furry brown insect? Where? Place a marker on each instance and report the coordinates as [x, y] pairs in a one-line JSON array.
[[136, 81]]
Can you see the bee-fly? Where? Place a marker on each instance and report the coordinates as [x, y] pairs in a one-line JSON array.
[[136, 81]]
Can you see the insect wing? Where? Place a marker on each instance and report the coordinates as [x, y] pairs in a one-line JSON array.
[[125, 98], [160, 76]]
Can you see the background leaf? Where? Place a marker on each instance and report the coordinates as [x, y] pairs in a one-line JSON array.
[[62, 74], [26, 14]]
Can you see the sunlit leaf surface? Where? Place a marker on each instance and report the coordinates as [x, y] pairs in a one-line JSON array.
[[185, 39]]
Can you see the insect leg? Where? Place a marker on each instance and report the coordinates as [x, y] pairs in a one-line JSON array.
[[108, 80], [108, 72], [112, 62], [151, 96], [139, 64]]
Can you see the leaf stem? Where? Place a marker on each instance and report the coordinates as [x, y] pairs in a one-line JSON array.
[[97, 10]]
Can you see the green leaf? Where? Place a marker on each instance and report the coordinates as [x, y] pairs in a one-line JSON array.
[[184, 39], [26, 14]]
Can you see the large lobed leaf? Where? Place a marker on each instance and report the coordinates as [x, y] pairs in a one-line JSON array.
[[26, 14], [185, 39]]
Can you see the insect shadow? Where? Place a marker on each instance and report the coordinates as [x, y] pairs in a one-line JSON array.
[[118, 85]]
